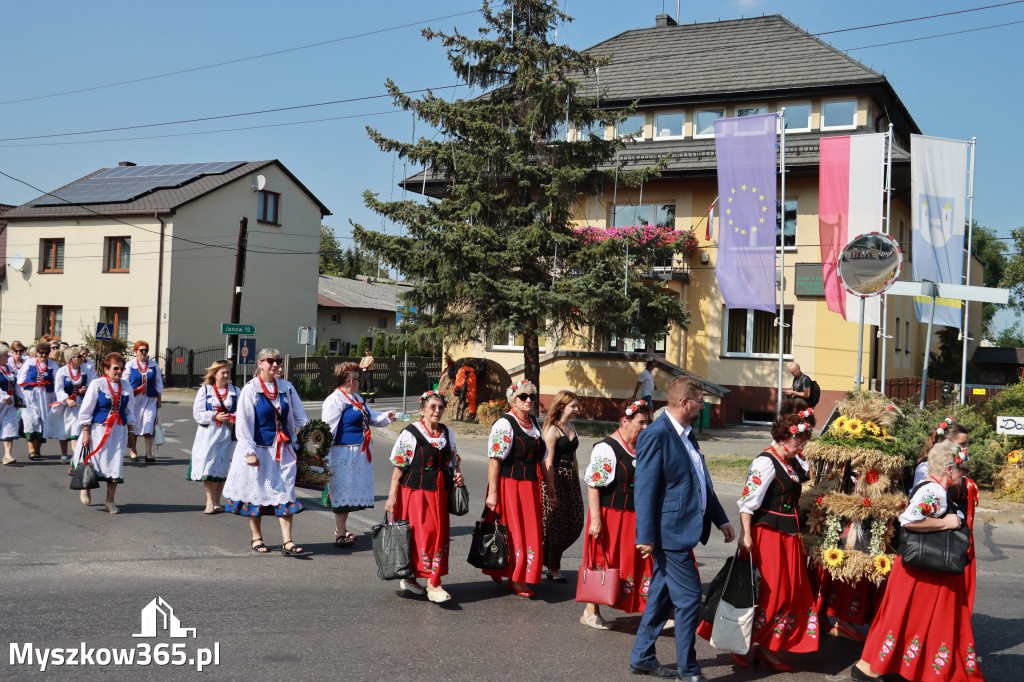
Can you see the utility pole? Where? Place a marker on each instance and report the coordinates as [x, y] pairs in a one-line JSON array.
[[236, 297]]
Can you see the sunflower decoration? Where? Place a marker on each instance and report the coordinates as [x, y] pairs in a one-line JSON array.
[[854, 427], [872, 429], [839, 424], [883, 564], [834, 556]]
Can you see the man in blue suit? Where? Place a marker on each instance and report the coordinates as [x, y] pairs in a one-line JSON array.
[[675, 507]]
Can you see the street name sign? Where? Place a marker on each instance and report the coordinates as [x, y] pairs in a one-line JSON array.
[[241, 329]]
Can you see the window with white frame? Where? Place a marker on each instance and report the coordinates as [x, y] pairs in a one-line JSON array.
[[789, 225], [669, 124], [334, 346], [838, 114], [753, 334], [798, 117], [632, 127], [561, 132], [750, 111], [596, 129], [662, 215], [511, 341], [704, 121]]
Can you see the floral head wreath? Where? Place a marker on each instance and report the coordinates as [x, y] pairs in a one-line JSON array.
[[804, 414], [802, 427], [517, 386], [944, 426], [434, 394], [960, 457], [635, 407]]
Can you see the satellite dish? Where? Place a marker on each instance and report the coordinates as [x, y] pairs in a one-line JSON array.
[[18, 261], [259, 184], [869, 264]]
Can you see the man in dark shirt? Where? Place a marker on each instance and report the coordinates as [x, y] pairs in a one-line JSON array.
[[801, 384]]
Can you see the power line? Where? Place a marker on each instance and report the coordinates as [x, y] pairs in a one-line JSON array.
[[930, 16], [239, 60], [938, 35]]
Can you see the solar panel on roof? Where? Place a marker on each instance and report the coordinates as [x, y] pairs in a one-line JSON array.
[[126, 183]]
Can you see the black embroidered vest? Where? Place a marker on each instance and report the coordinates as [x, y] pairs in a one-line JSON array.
[[427, 460], [778, 508], [523, 461], [619, 493]]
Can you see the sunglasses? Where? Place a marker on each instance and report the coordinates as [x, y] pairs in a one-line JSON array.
[[275, 361], [143, 350], [527, 396]]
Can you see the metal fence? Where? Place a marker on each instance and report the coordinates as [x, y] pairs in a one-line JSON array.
[[186, 366], [388, 372], [909, 388]]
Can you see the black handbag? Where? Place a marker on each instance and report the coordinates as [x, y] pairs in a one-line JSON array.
[[85, 477], [942, 551], [489, 547], [391, 549], [458, 501], [736, 589]]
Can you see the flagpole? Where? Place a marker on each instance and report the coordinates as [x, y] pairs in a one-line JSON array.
[[782, 252], [888, 230], [967, 304]]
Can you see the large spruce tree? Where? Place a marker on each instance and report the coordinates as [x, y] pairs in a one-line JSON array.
[[495, 251]]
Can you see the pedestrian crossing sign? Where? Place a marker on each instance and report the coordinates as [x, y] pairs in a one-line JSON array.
[[104, 331]]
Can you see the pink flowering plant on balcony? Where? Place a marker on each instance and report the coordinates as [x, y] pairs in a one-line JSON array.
[[652, 236]]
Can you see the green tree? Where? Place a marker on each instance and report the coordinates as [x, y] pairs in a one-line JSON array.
[[483, 254], [1011, 337], [336, 262]]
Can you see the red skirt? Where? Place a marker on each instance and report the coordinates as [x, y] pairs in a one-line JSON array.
[[618, 529], [856, 604], [785, 618], [427, 514], [519, 508], [923, 628]]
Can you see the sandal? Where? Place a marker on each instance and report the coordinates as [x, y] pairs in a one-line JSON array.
[[294, 550], [210, 510], [346, 540], [9, 460], [259, 547], [150, 460], [592, 620]]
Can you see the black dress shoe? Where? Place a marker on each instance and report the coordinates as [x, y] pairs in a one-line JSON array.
[[699, 677], [858, 674], [655, 669]]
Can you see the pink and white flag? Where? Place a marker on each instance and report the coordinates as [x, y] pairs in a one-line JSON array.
[[851, 186]]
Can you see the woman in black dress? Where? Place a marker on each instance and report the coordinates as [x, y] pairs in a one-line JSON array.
[[563, 522]]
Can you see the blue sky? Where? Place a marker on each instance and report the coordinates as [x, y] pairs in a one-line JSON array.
[[957, 86]]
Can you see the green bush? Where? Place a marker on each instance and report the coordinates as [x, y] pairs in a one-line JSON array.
[[379, 347], [310, 388], [364, 343], [983, 446]]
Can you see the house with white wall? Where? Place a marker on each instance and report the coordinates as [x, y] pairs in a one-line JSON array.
[[151, 250]]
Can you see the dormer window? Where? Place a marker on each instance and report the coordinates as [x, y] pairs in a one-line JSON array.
[[838, 114], [704, 120], [750, 111], [669, 124], [798, 117], [632, 127]]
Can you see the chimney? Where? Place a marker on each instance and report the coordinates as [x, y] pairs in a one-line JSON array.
[[663, 21], [125, 163]]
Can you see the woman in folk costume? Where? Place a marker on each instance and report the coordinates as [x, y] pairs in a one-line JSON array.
[[147, 389], [8, 402], [426, 467], [105, 420], [36, 382], [563, 523], [785, 618], [513, 488], [214, 410], [922, 630], [611, 525], [350, 487], [70, 386], [261, 479]]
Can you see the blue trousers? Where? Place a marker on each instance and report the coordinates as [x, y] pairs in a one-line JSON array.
[[674, 592]]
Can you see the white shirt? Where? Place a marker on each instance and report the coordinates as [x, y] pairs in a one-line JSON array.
[[695, 458], [646, 380]]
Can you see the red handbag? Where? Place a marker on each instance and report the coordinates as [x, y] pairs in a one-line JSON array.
[[597, 585]]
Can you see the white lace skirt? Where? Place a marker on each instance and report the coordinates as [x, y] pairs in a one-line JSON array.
[[351, 483]]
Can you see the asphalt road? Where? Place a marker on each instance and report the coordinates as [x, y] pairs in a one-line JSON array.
[[71, 574]]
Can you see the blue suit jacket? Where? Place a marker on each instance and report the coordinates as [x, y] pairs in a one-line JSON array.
[[666, 493]]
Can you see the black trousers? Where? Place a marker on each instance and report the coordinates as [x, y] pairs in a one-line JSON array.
[[366, 383]]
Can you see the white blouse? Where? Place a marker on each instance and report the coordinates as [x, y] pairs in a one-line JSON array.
[[759, 479], [405, 447], [601, 470], [501, 437], [928, 502]]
